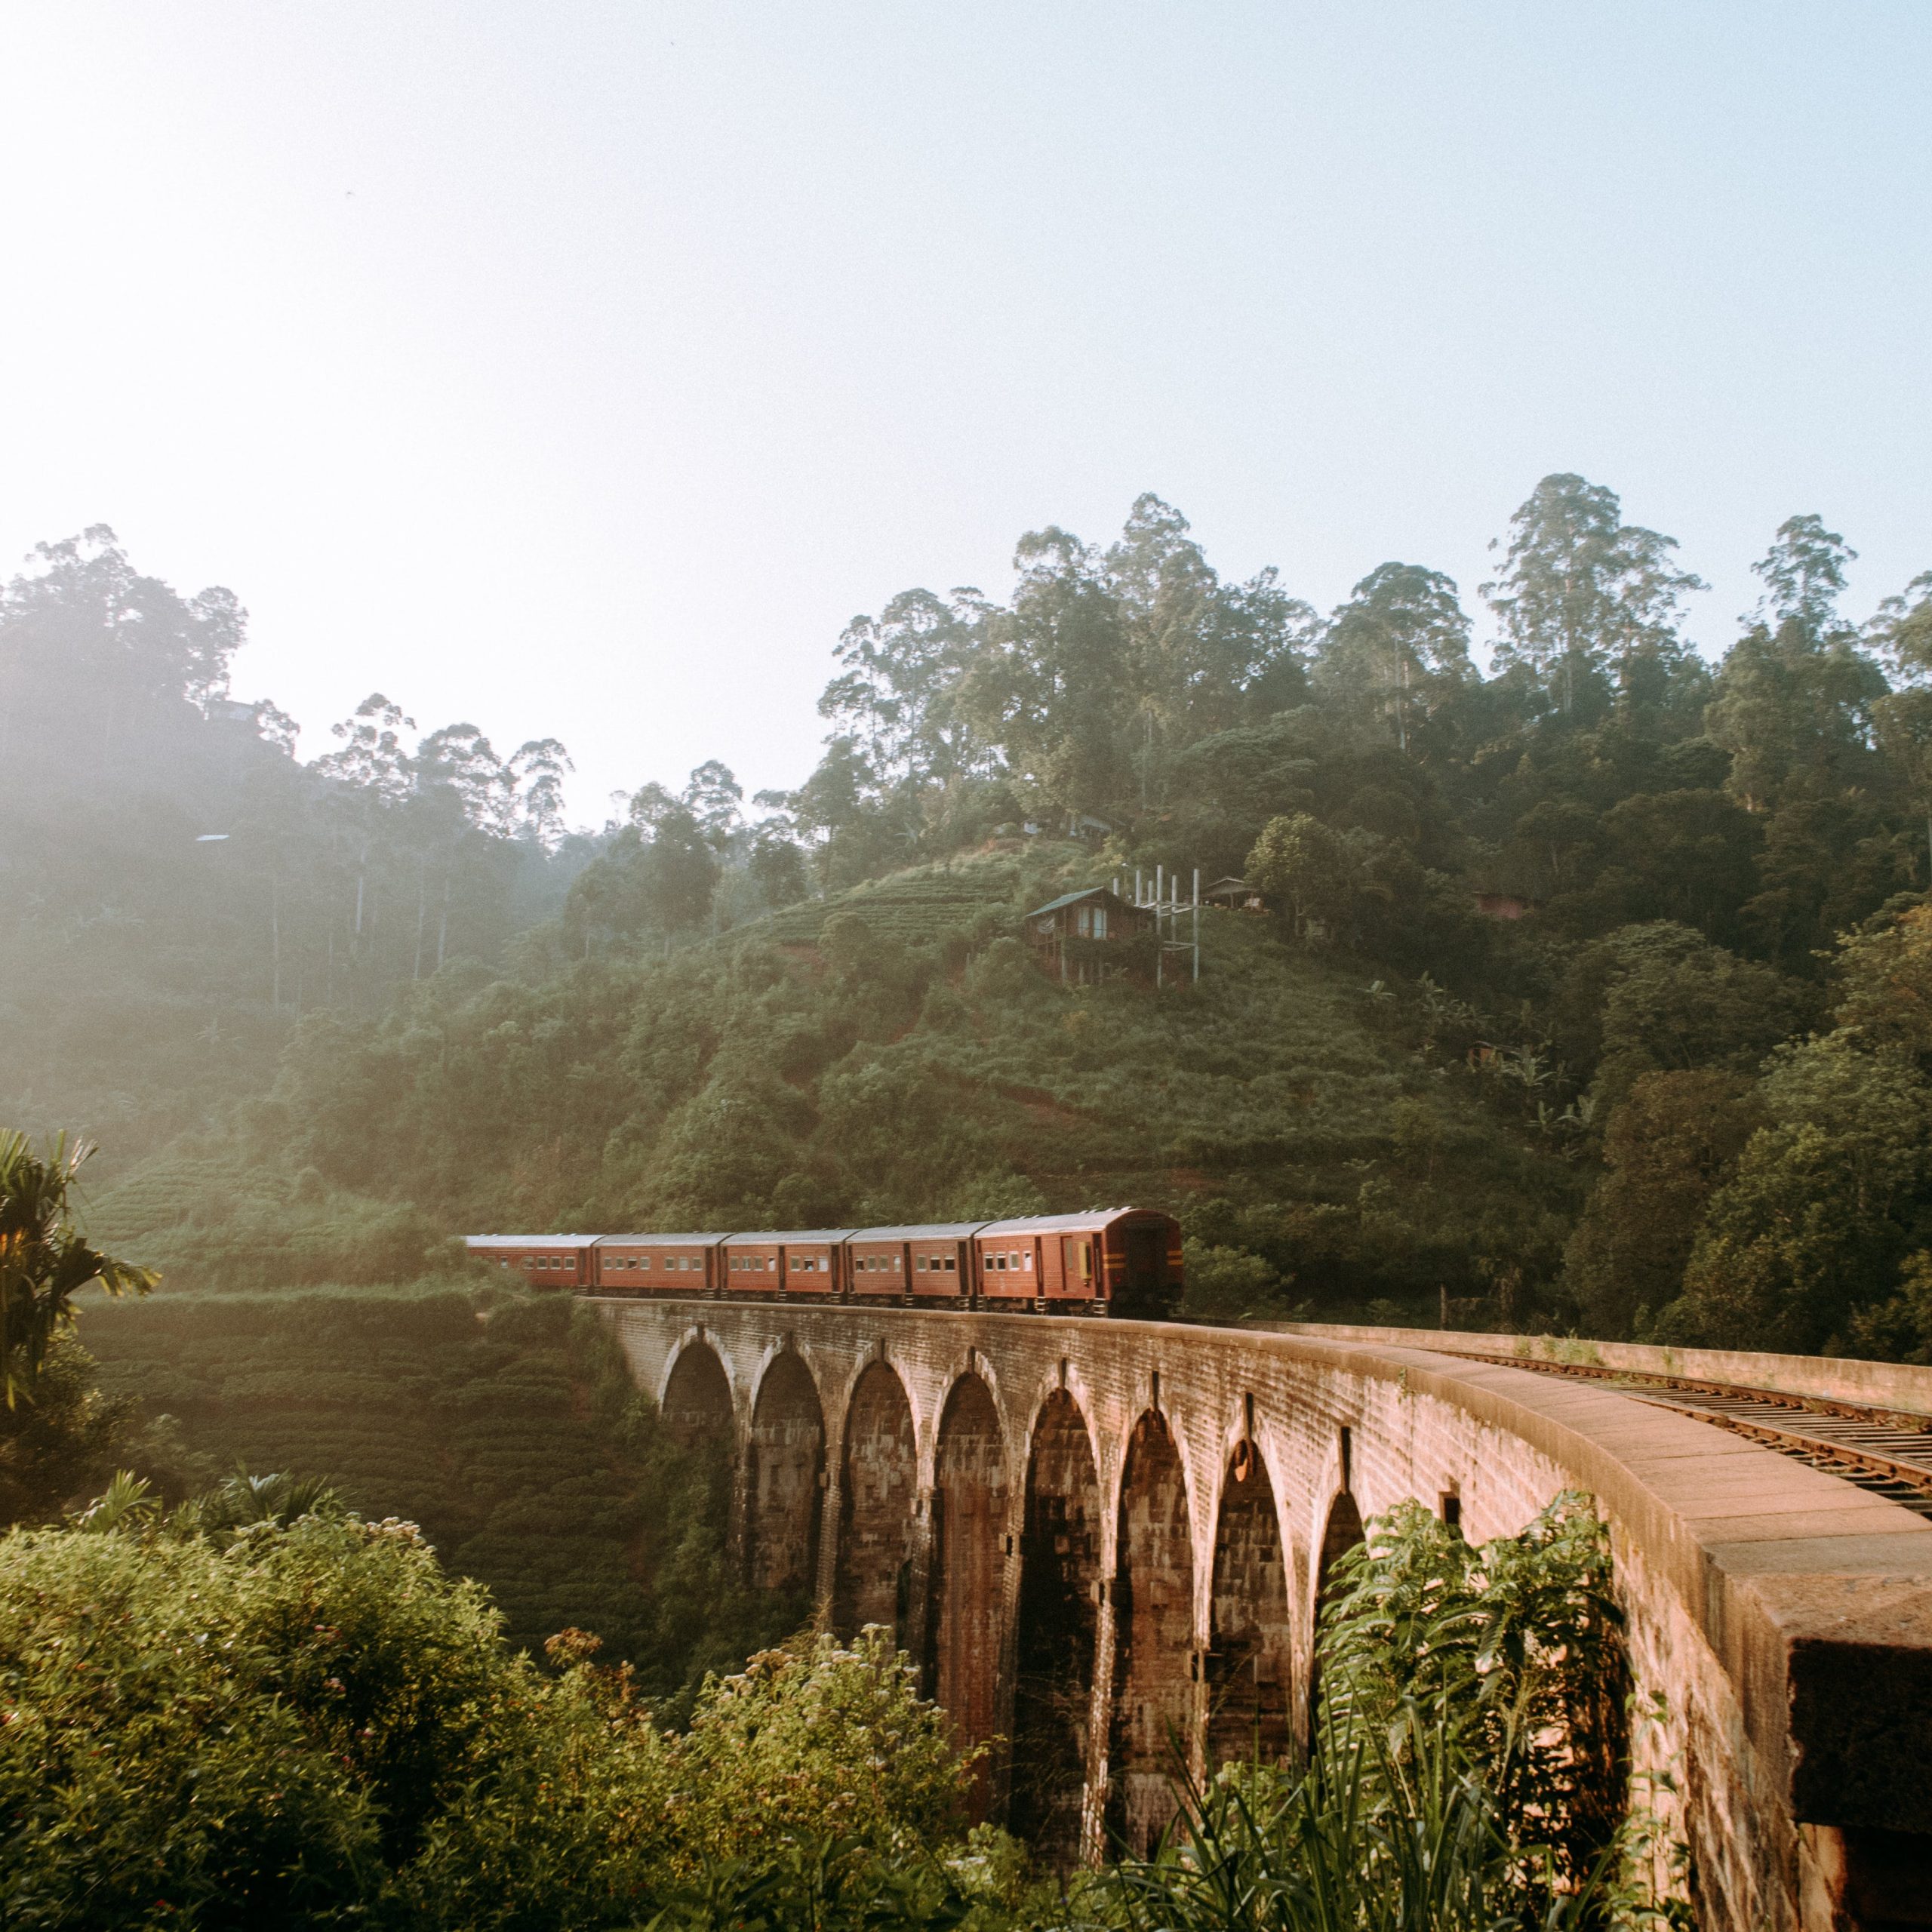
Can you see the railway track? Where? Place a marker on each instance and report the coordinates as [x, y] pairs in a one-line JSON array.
[[1884, 1451]]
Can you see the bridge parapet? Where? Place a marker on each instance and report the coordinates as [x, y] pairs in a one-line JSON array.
[[1899, 1387], [1088, 1532]]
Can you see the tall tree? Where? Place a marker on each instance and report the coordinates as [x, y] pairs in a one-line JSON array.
[[1794, 696], [537, 769], [1803, 573], [712, 796], [1582, 595], [895, 693], [1400, 644], [1056, 692], [1902, 632]]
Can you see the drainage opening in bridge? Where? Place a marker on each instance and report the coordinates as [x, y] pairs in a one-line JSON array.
[[1250, 1660], [969, 1517], [1059, 1581], [1154, 1667], [877, 1477], [786, 1476]]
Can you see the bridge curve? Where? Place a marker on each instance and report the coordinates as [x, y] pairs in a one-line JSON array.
[[1092, 1565]]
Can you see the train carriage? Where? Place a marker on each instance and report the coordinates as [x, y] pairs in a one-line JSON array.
[[930, 1263], [545, 1261], [1122, 1261], [657, 1264], [806, 1264]]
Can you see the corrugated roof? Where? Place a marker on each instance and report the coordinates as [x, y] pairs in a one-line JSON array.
[[531, 1241], [1045, 1224], [929, 1231], [660, 1241], [1074, 899], [792, 1238]]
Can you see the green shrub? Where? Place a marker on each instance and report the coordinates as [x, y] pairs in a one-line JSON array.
[[246, 1716]]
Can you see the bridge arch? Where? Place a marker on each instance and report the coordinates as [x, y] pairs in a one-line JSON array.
[[1250, 1669], [1342, 1531], [879, 1476], [785, 1477], [968, 1567], [696, 1401], [1057, 1623], [1156, 1665]]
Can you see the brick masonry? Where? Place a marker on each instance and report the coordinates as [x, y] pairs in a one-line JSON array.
[[1104, 1540]]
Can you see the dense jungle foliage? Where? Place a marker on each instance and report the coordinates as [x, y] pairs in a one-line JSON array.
[[1683, 1095], [311, 1721]]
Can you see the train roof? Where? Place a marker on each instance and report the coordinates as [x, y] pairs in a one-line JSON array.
[[1048, 1224], [661, 1241], [925, 1231], [531, 1241], [793, 1237]]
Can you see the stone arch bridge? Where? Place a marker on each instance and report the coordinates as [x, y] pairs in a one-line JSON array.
[[1105, 1540]]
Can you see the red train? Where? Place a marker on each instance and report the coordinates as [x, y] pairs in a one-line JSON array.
[[1108, 1261]]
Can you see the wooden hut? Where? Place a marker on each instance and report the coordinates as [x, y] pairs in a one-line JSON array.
[[1078, 937]]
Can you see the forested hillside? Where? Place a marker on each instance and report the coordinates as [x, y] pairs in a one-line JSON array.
[[176, 888], [1590, 991]]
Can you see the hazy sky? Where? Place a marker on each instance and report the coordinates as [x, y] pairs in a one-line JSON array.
[[580, 369]]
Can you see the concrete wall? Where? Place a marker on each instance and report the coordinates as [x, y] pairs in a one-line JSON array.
[[1099, 1535]]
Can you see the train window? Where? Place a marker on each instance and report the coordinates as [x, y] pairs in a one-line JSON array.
[[1026, 1261], [898, 1263], [952, 1264]]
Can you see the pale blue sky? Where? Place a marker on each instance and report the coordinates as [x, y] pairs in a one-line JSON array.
[[581, 369]]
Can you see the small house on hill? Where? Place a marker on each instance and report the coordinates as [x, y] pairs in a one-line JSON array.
[[1236, 894], [1077, 936]]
